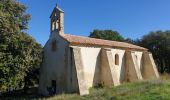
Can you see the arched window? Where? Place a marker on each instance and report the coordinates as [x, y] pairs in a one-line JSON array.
[[116, 59], [53, 47]]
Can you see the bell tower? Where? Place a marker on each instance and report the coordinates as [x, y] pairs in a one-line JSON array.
[[57, 21]]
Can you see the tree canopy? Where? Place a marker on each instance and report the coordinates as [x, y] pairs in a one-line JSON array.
[[107, 35], [159, 44], [19, 53]]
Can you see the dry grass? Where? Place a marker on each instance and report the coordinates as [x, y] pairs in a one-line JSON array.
[[143, 90]]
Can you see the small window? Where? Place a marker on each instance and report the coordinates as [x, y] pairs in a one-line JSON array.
[[54, 45], [116, 59]]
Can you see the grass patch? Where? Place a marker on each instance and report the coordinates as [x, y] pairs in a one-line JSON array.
[[143, 90]]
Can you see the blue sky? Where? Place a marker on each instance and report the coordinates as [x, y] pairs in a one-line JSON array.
[[131, 18]]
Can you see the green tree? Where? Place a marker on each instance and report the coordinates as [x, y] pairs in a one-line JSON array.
[[159, 44], [107, 35], [19, 53], [135, 42]]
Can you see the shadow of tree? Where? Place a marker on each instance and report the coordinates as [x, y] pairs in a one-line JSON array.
[[21, 94]]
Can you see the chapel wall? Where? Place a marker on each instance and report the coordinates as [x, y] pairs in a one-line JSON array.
[[95, 72], [139, 59], [54, 64], [91, 64], [120, 67]]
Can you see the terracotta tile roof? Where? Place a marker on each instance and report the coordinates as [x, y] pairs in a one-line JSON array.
[[79, 40]]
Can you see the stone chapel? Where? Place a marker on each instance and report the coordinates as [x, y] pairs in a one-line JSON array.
[[73, 64]]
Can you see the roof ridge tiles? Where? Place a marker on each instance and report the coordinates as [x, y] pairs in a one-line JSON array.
[[78, 40]]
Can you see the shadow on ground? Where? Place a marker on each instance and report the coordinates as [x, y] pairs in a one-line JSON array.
[[21, 94]]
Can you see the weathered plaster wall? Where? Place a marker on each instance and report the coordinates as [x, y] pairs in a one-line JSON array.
[[87, 68], [139, 59], [62, 22], [108, 71], [112, 74], [54, 65], [72, 81], [120, 68], [92, 66], [91, 63], [149, 68], [79, 66], [105, 69], [133, 72], [101, 68]]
